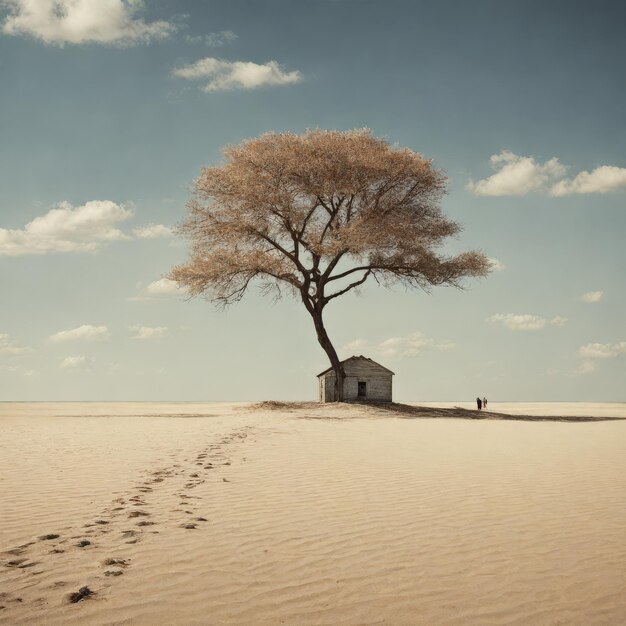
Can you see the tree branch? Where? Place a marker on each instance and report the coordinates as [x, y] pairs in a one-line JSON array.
[[356, 283]]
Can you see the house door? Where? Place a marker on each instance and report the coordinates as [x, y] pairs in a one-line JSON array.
[[362, 390]]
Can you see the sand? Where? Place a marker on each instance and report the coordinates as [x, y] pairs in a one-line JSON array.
[[228, 514]]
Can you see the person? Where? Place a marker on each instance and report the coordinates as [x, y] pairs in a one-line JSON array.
[[484, 403], [479, 403]]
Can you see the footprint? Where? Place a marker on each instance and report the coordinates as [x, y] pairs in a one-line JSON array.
[[116, 561], [57, 584], [81, 594], [83, 543], [20, 549], [102, 522], [48, 537], [113, 572], [138, 514], [145, 523], [189, 526], [15, 562], [201, 519]]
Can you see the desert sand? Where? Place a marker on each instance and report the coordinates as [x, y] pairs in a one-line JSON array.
[[181, 513]]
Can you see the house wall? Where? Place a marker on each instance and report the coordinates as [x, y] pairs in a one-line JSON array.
[[379, 383]]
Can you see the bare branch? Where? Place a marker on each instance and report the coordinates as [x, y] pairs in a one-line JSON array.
[[349, 287]]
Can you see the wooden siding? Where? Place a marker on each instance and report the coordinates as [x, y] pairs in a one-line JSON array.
[[378, 382]]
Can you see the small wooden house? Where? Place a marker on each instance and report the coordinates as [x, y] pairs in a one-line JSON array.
[[365, 380]]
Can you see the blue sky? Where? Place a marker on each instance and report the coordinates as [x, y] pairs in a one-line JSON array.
[[109, 112]]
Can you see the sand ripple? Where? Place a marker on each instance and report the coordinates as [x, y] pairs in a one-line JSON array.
[[387, 521]]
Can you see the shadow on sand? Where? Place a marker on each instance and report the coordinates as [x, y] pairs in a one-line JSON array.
[[345, 410]]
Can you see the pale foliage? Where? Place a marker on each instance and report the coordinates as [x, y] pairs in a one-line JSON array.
[[319, 213]]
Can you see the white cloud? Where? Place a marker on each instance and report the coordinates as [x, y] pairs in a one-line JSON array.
[[525, 321], [77, 363], [592, 296], [157, 288], [602, 350], [228, 75], [67, 229], [152, 231], [148, 332], [396, 347], [11, 347], [496, 265], [82, 21], [353, 347], [586, 368], [410, 345], [519, 175], [163, 286], [213, 40], [18, 369], [519, 322], [559, 320], [82, 333], [516, 175], [601, 180]]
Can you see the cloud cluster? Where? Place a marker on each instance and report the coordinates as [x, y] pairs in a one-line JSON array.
[[516, 176], [85, 332], [213, 40], [519, 175], [398, 347], [18, 369], [525, 321], [77, 363], [223, 75], [115, 22], [411, 345], [67, 228], [601, 180], [11, 347], [62, 22], [163, 286], [152, 231], [602, 350], [592, 296], [586, 367], [156, 289], [148, 332]]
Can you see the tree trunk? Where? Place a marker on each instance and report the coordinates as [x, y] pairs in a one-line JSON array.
[[327, 346]]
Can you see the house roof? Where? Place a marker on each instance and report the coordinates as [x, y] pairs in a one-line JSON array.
[[364, 358]]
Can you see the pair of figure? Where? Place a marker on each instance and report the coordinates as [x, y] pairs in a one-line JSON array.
[[481, 404]]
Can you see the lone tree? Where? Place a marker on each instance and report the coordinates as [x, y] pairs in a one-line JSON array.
[[318, 215]]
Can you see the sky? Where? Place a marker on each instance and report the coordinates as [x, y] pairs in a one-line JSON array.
[[110, 108]]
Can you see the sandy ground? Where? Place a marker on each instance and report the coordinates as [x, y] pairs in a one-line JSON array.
[[227, 514]]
